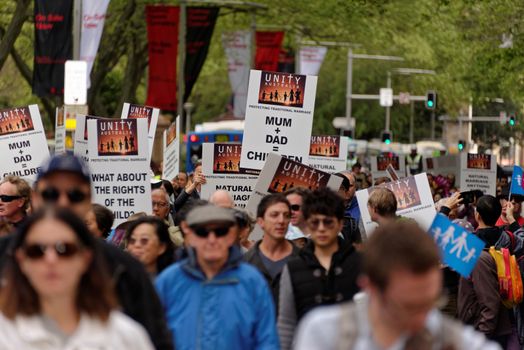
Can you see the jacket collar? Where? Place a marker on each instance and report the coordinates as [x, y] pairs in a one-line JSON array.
[[191, 263], [344, 249], [490, 235]]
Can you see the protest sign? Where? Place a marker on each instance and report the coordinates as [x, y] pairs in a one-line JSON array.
[[414, 200], [279, 117], [220, 165], [171, 163], [120, 166], [23, 145], [132, 111], [516, 181], [460, 248], [280, 174], [60, 131], [82, 136], [328, 153], [478, 172], [379, 165], [443, 165]]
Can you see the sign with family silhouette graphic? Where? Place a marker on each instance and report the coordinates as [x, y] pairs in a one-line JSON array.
[[132, 111], [171, 133], [117, 137], [60, 131], [171, 150], [414, 201], [15, 120], [284, 89], [460, 248], [220, 166], [478, 172], [328, 153], [325, 146], [380, 163], [82, 135]]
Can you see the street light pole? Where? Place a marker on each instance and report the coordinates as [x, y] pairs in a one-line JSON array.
[[388, 108], [349, 92]]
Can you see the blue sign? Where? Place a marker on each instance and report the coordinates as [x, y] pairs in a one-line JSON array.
[[516, 181], [460, 249]]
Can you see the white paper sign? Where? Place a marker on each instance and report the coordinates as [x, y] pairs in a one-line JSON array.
[[120, 166], [380, 163], [279, 117], [220, 165], [132, 111], [328, 153], [281, 174], [75, 83], [23, 145], [414, 201], [171, 163], [82, 136], [443, 165], [60, 131], [478, 172]]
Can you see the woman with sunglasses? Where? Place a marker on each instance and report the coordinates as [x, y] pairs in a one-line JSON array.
[[148, 240], [56, 293]]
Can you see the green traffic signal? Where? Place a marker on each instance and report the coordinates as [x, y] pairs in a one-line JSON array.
[[387, 141], [512, 121], [430, 104]]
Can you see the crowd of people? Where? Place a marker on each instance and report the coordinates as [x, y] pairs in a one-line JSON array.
[[188, 276]]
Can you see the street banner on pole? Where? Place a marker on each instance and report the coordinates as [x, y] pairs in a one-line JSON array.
[[131, 111], [220, 165], [23, 144], [269, 45], [328, 153], [237, 46], [279, 117], [171, 163], [93, 18], [281, 174], [478, 172], [379, 165], [311, 58], [414, 201], [120, 176], [162, 36], [60, 131]]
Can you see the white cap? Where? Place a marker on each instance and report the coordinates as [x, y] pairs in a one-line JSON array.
[[293, 233]]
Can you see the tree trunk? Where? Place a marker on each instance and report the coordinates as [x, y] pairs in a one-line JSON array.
[[13, 30]]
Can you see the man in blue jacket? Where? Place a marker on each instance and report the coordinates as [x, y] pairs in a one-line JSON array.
[[212, 299]]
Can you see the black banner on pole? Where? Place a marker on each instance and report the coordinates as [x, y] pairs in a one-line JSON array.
[[53, 45], [200, 25]]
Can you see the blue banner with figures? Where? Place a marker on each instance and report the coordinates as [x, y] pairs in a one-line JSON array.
[[516, 181], [460, 249]]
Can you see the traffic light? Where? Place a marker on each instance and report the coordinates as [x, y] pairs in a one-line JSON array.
[[461, 145], [386, 137], [512, 120], [431, 100]]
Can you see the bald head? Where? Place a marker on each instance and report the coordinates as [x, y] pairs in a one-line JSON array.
[[222, 198]]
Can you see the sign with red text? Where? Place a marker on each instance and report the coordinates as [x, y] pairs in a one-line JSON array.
[[478, 172], [328, 153], [132, 111], [379, 165]]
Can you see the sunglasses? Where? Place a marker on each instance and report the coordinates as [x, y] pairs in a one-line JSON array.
[[295, 207], [204, 231], [62, 249], [51, 194], [6, 199], [328, 223]]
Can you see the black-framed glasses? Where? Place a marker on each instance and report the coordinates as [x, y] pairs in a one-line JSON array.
[[328, 223], [202, 231], [36, 251], [159, 204], [295, 207], [51, 194], [6, 198]]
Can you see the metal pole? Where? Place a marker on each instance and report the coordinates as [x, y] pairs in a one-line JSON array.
[[432, 124], [412, 122], [388, 115], [253, 38], [77, 28], [349, 92], [181, 59]]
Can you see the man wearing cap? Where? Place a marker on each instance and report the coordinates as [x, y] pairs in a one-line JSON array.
[[64, 181], [15, 196], [212, 299]]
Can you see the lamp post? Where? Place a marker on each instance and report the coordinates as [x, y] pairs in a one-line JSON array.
[[188, 106]]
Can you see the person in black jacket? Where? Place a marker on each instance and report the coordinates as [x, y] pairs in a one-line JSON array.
[[64, 181], [325, 272]]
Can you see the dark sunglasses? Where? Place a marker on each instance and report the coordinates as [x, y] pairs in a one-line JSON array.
[[6, 199], [51, 194], [328, 223], [204, 231], [62, 249], [295, 207]]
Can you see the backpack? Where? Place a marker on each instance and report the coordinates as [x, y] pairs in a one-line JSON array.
[[509, 276]]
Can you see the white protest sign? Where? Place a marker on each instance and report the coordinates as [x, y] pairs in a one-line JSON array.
[[120, 166], [380, 163], [414, 201], [328, 153], [60, 131], [82, 136], [132, 111], [220, 165], [279, 117], [478, 172], [443, 165], [281, 174], [23, 145], [75, 83], [171, 163]]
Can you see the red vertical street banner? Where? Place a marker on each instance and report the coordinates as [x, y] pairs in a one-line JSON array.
[[53, 45], [269, 45], [162, 35], [199, 29]]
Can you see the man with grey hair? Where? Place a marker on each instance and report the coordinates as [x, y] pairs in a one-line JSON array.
[[222, 198], [15, 197]]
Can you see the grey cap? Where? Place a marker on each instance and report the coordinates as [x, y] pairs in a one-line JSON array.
[[209, 213]]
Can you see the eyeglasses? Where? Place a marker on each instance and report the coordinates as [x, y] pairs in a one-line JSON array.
[[51, 194], [204, 231], [140, 242], [159, 204], [6, 199], [328, 223], [62, 249], [295, 207]]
